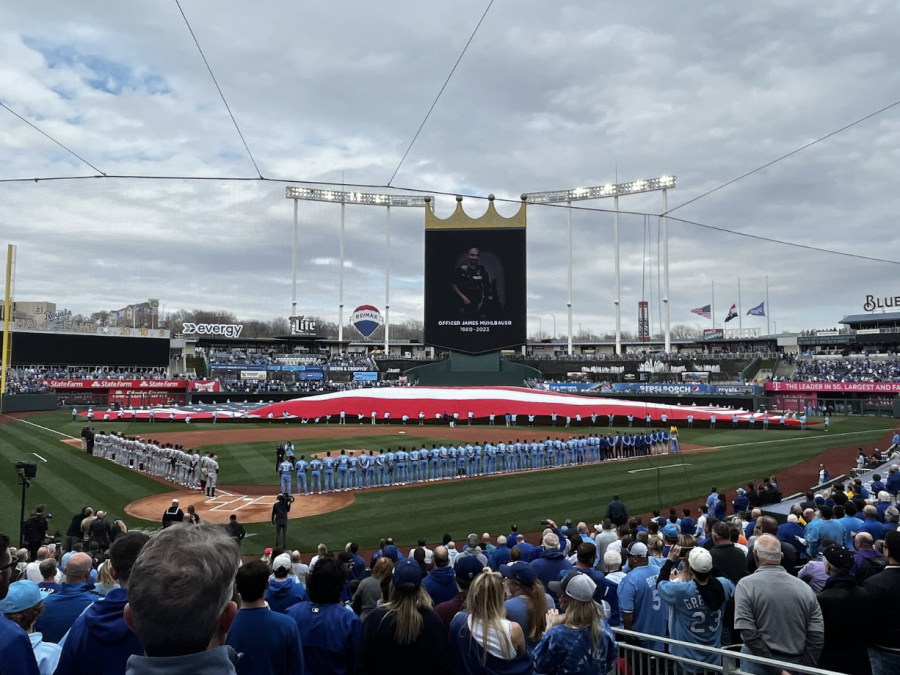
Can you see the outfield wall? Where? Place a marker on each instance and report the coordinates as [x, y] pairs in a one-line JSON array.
[[11, 403]]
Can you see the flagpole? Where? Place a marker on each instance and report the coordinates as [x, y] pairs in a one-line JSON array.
[[713, 315], [768, 308], [740, 311]]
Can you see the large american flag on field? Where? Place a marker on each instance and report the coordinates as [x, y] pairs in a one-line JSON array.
[[704, 311]]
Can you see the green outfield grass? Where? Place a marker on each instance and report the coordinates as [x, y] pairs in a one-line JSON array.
[[70, 480]]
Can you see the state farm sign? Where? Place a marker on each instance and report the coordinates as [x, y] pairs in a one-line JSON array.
[[115, 384]]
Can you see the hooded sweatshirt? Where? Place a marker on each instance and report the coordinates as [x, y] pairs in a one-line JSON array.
[[548, 567], [62, 608], [283, 593], [100, 642], [441, 584], [218, 661]]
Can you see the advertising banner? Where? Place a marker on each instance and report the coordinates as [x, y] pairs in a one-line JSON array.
[[713, 334], [360, 376], [206, 386], [839, 387], [648, 388], [475, 281], [253, 374], [115, 384], [575, 387], [734, 389]]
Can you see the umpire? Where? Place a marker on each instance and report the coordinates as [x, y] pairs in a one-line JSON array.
[[280, 510]]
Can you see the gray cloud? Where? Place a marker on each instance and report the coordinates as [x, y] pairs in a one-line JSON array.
[[548, 96]]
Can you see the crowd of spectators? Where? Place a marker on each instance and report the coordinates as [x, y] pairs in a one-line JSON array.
[[718, 574], [301, 386], [30, 379], [860, 369]]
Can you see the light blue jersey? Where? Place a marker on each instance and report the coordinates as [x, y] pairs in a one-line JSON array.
[[638, 595], [692, 621]]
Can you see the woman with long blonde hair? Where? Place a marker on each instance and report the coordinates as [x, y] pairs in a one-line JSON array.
[[482, 639], [578, 642], [404, 634]]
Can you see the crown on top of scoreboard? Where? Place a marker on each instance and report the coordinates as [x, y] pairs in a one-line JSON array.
[[460, 220]]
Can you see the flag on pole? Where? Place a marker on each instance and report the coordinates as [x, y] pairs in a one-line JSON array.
[[704, 311], [759, 310], [732, 314]]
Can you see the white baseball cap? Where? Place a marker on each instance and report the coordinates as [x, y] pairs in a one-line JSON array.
[[282, 561], [578, 586], [700, 560]]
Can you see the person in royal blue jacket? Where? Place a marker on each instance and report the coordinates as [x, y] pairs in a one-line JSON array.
[[552, 561], [501, 554], [269, 642], [285, 591], [16, 654], [441, 580], [99, 641], [329, 631], [63, 607]]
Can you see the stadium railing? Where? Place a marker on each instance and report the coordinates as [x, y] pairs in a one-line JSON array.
[[637, 660]]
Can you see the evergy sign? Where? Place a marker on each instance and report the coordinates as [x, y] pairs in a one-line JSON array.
[[230, 330]]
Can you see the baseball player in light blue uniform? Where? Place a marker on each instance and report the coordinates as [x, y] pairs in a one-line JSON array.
[[453, 461], [423, 464], [413, 466], [442, 467], [286, 468], [435, 455], [301, 466], [380, 469], [402, 457], [315, 475], [329, 464], [352, 474], [342, 466]]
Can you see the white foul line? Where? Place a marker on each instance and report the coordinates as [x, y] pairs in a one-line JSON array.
[[667, 466], [38, 456], [53, 431], [804, 438]]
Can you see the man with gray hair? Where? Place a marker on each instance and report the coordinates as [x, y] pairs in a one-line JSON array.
[[777, 614], [184, 571], [472, 548], [552, 564]]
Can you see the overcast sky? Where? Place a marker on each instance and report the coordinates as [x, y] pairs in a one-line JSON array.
[[549, 95]]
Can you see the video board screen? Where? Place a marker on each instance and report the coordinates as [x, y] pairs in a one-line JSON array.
[[475, 288]]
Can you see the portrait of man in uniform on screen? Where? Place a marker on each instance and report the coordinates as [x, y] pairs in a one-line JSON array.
[[474, 292]]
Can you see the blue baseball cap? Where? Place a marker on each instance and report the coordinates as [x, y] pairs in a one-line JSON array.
[[468, 567], [519, 571], [670, 531], [22, 595], [392, 553], [407, 571]]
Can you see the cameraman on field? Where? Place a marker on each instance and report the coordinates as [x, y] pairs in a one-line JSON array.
[[280, 510]]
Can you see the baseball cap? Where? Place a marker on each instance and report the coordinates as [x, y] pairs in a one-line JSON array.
[[392, 553], [407, 571], [268, 551], [468, 567], [22, 595], [700, 559], [670, 531], [174, 501], [638, 550], [578, 586], [838, 556], [282, 561], [741, 491], [519, 571]]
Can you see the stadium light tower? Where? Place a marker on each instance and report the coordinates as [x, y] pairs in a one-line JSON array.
[[614, 190], [364, 199]]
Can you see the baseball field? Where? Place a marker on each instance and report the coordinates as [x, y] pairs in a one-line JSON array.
[[68, 479]]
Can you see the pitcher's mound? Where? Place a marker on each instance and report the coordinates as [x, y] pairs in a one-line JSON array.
[[248, 508]]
